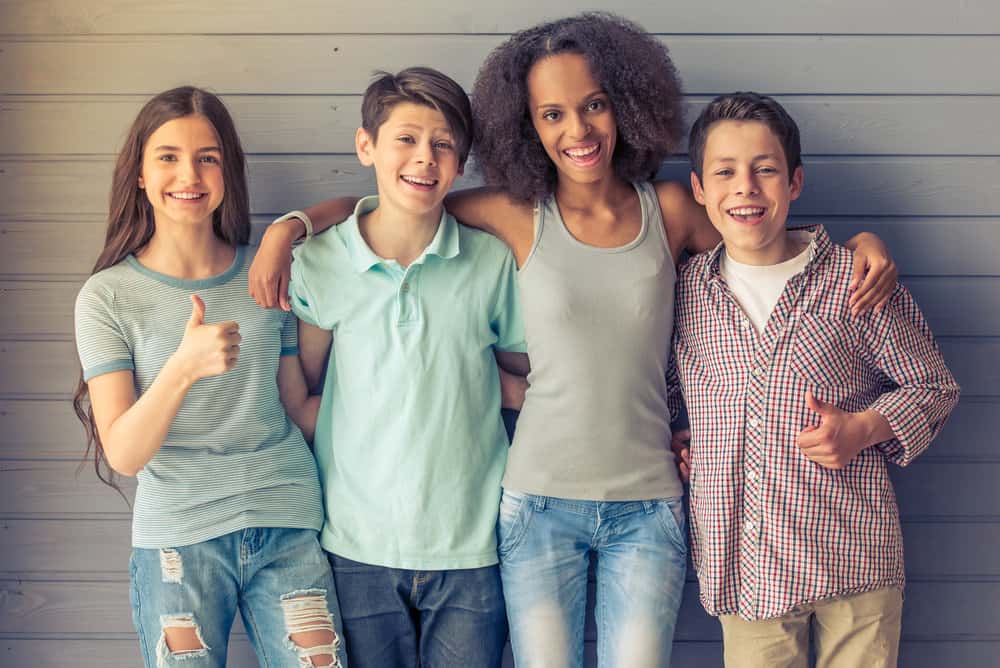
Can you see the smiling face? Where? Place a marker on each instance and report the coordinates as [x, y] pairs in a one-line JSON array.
[[746, 190], [415, 159], [182, 172], [573, 117]]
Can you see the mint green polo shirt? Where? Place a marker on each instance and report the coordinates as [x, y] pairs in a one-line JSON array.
[[410, 443]]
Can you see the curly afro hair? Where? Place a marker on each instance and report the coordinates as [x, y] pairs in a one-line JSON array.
[[632, 67]]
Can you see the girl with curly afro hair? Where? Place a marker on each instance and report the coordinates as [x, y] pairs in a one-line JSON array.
[[573, 117]]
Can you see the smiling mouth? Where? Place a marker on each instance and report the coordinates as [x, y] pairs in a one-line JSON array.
[[187, 197], [584, 155], [747, 214], [419, 182]]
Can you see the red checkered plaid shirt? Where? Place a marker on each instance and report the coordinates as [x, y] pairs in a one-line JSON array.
[[770, 529]]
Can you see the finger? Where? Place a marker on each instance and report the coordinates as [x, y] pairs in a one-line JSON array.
[[683, 434], [197, 311], [886, 288], [283, 301], [818, 405], [686, 456], [880, 290], [860, 266], [865, 283], [685, 472]]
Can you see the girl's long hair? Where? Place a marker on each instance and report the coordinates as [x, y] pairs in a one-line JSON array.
[[130, 215]]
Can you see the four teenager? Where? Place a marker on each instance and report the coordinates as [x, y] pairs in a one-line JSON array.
[[795, 402]]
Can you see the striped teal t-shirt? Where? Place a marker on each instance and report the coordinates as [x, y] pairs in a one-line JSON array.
[[232, 459]]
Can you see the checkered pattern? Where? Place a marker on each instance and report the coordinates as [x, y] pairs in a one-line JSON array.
[[771, 529]]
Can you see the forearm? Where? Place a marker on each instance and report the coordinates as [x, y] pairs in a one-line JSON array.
[[132, 439]]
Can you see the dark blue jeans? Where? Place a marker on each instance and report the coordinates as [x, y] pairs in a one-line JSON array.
[[395, 618]]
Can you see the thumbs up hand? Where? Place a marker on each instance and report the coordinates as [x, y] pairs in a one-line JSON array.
[[838, 437], [206, 349]]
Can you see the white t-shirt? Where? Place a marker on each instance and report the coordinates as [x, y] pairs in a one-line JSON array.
[[758, 288]]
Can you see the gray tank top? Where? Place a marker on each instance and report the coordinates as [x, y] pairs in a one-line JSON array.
[[595, 423]]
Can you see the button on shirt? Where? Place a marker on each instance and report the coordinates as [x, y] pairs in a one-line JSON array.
[[409, 439], [772, 529]]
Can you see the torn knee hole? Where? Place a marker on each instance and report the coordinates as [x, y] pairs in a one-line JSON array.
[[310, 628], [181, 635]]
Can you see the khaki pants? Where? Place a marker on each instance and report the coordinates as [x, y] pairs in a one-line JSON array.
[[850, 631]]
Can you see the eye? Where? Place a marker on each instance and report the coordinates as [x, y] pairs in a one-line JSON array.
[[443, 145], [724, 172], [766, 169], [595, 105], [210, 159], [406, 139], [550, 115], [167, 157]]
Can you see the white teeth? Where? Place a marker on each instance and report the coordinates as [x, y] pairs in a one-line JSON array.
[[582, 152], [419, 181], [746, 211], [187, 195]]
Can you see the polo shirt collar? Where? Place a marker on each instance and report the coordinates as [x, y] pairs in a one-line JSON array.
[[445, 243]]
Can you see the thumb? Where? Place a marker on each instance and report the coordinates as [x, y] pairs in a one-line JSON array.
[[817, 406], [197, 311]]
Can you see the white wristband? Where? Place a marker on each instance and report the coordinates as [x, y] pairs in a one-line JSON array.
[[301, 215]]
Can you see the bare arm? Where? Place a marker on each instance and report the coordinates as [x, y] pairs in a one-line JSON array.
[[271, 267], [132, 429], [314, 349], [300, 406]]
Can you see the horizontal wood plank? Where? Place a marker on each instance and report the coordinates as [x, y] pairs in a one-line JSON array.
[[933, 610], [60, 245], [55, 489], [310, 124], [342, 64], [386, 16], [934, 186], [953, 306], [84, 548]]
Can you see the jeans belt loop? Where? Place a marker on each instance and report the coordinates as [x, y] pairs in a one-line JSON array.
[[539, 502]]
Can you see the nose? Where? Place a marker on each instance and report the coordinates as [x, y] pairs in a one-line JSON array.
[[425, 153], [580, 127], [190, 171], [747, 186]]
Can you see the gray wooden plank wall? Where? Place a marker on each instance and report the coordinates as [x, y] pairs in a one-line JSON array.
[[897, 101]]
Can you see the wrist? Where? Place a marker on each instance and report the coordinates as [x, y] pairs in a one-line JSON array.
[[178, 373], [298, 221], [288, 230], [874, 428]]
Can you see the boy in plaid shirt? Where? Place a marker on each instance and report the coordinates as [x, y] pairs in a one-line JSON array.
[[796, 406]]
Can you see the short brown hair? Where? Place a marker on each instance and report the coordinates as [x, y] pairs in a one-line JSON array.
[[424, 86], [745, 106]]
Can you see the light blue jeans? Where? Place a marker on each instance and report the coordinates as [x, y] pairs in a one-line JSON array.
[[545, 545], [278, 579]]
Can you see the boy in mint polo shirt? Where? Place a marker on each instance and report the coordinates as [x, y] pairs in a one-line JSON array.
[[409, 440]]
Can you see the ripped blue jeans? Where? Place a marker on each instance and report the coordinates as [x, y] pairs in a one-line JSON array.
[[279, 580]]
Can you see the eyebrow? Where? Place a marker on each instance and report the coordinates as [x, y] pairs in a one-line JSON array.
[[762, 156], [586, 98], [203, 149]]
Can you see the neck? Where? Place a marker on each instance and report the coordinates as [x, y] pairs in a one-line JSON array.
[[786, 250], [398, 235], [603, 194], [188, 252]]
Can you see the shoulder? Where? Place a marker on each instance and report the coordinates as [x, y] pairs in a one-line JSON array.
[[691, 274], [103, 288], [481, 245]]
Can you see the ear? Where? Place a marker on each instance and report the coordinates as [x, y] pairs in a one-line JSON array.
[[363, 146], [142, 183], [696, 189], [461, 169], [795, 187]]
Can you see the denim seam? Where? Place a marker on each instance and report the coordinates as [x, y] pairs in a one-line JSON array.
[[673, 530], [518, 529]]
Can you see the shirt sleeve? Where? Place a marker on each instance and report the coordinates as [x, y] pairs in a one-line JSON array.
[[303, 303], [289, 335], [100, 341], [506, 320], [921, 392], [675, 401]]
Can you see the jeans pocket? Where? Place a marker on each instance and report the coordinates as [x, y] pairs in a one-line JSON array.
[[512, 524], [671, 515]]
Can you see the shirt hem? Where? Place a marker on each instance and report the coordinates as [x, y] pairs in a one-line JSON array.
[[413, 563], [781, 612], [221, 530]]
